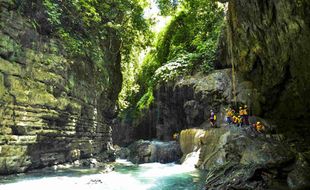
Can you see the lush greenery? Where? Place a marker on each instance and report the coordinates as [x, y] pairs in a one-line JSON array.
[[91, 28], [186, 45]]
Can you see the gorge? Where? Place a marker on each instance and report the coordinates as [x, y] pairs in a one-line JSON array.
[[84, 83]]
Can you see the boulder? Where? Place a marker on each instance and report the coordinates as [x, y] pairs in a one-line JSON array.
[[154, 151], [190, 140], [121, 152], [241, 158]]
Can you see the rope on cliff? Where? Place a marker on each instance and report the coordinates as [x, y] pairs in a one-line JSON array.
[[231, 55]]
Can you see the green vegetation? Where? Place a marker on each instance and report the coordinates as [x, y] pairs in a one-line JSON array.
[[185, 46], [89, 22], [92, 29], [101, 32]]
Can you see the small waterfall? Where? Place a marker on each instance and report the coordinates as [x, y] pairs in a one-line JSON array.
[[190, 142], [191, 159]]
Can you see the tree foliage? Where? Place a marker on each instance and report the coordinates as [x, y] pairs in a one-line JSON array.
[[94, 20], [90, 28], [186, 45]]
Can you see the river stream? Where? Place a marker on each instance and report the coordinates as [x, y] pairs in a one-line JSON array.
[[126, 176]]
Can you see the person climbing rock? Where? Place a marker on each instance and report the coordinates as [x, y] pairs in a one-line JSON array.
[[245, 119], [212, 118]]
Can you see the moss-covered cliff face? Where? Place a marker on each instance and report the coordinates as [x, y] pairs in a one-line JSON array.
[[270, 42], [53, 107]]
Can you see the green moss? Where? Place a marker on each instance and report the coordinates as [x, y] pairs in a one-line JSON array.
[[10, 67], [146, 100], [2, 87]]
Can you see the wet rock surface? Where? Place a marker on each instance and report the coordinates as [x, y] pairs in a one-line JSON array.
[[154, 151], [241, 158], [121, 152]]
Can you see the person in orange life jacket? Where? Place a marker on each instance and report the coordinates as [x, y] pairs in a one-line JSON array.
[[237, 120], [212, 118], [175, 136], [229, 115], [259, 127], [245, 119], [241, 114]]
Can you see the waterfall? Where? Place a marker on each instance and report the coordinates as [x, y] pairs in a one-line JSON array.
[[190, 142], [191, 159]]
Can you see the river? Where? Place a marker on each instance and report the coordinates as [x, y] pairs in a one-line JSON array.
[[125, 176]]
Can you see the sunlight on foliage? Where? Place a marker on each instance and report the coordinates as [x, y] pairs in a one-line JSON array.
[[186, 45]]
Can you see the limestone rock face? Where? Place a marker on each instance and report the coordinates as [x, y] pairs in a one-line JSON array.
[[53, 108], [240, 158], [154, 151], [270, 46], [187, 102], [190, 140]]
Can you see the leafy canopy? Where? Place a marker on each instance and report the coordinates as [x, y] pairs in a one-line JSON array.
[[186, 45]]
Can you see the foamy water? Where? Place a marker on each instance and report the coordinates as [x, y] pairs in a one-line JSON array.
[[127, 176]]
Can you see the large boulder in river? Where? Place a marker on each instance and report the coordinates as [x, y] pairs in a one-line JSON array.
[[154, 151], [241, 158]]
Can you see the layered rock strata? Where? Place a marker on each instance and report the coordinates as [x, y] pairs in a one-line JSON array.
[[53, 107]]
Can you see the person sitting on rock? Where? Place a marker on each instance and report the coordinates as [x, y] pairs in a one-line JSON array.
[[237, 120], [245, 118], [175, 136], [229, 115], [212, 118], [259, 127]]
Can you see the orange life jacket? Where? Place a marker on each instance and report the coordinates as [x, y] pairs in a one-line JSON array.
[[241, 112], [245, 111]]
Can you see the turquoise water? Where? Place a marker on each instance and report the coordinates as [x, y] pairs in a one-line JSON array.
[[126, 176]]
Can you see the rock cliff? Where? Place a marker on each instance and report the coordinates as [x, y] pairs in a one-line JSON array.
[[241, 158], [54, 108], [269, 42]]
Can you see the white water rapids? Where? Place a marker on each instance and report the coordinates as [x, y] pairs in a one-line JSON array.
[[126, 176]]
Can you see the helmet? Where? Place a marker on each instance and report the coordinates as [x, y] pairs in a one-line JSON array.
[[258, 122]]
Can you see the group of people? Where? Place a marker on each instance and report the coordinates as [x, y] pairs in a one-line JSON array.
[[240, 118]]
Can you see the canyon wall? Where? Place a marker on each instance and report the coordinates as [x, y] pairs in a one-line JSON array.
[[267, 42], [54, 108], [270, 45]]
